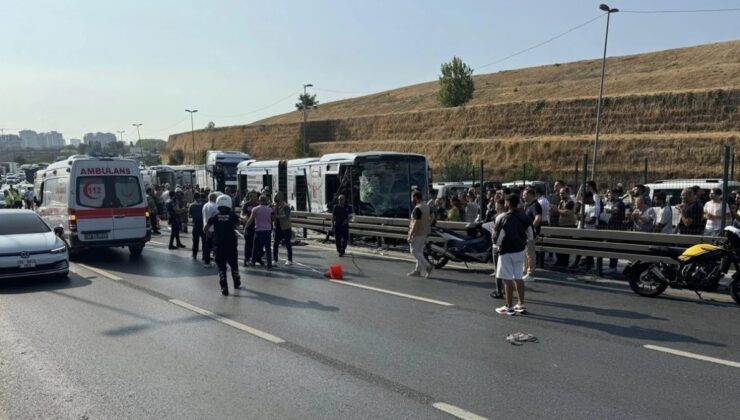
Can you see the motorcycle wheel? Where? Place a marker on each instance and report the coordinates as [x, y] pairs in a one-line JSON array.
[[645, 283], [735, 290], [438, 261]]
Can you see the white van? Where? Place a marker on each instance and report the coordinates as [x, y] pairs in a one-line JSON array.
[[99, 202]]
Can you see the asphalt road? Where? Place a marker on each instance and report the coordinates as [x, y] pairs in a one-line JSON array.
[[153, 338]]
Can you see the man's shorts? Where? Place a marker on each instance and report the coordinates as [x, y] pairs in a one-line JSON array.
[[511, 266]]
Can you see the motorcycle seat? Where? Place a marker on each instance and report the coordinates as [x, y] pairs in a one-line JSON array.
[[665, 250]]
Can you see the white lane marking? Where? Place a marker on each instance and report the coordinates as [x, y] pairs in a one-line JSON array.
[[101, 272], [157, 243], [693, 355], [310, 268], [230, 322], [390, 292], [457, 411]]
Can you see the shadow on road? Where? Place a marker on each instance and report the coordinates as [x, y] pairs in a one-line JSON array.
[[41, 284], [148, 323], [282, 301], [613, 313], [634, 332]]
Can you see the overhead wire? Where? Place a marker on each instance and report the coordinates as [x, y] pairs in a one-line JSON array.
[[735, 9], [255, 110], [560, 35]]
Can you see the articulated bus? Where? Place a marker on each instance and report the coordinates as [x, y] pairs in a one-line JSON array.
[[159, 175], [223, 164], [375, 183]]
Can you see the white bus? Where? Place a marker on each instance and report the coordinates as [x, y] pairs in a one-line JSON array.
[[375, 183], [221, 168], [99, 202], [159, 175]]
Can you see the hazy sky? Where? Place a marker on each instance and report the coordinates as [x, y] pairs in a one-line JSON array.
[[77, 66]]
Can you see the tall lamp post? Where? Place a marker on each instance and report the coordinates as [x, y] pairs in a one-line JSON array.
[[305, 119], [120, 134], [138, 133], [192, 130], [609, 12]]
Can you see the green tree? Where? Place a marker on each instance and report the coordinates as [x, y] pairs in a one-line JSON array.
[[246, 147], [20, 160], [459, 168], [177, 157], [525, 171], [306, 101], [299, 151], [200, 157], [455, 83]]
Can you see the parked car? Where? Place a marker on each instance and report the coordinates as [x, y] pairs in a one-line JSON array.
[[29, 248]]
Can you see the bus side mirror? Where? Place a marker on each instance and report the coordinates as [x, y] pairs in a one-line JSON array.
[[59, 231]]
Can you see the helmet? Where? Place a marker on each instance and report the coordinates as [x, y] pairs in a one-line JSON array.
[[223, 201]]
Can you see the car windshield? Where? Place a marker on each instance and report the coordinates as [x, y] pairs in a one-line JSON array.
[[20, 224]]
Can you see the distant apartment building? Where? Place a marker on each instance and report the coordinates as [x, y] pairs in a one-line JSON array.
[[30, 139], [51, 139], [10, 142], [103, 138], [75, 142], [33, 140]]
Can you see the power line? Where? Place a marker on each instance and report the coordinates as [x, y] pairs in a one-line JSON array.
[[253, 111], [542, 43], [736, 9], [167, 128], [343, 91]]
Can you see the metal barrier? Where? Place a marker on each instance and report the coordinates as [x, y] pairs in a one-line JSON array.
[[623, 245]]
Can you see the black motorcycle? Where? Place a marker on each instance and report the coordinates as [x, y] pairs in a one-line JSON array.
[[473, 247], [698, 268]]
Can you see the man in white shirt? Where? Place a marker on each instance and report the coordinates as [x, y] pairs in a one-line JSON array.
[[713, 212], [209, 210], [664, 213]]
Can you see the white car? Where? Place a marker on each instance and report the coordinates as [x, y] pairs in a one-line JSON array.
[[29, 248]]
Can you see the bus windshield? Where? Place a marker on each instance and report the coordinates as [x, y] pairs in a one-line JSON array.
[[382, 185]]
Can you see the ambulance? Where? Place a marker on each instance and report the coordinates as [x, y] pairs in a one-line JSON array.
[[99, 202]]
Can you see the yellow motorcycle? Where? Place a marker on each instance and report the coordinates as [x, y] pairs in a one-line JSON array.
[[698, 268]]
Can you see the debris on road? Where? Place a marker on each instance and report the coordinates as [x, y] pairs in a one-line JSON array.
[[518, 338]]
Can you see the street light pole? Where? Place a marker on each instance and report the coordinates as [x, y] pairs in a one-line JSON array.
[[609, 12], [192, 130], [138, 133], [305, 119]]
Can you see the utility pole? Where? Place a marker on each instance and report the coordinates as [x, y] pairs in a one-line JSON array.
[[192, 130], [138, 133], [609, 12], [305, 119]]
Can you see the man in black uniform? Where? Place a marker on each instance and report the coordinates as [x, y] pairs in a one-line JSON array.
[[224, 228], [340, 217]]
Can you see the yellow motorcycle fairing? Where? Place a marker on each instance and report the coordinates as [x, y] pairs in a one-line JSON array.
[[697, 250]]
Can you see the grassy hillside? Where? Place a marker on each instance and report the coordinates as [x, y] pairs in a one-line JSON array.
[[676, 108], [703, 67]]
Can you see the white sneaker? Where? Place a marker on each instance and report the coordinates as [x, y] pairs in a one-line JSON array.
[[505, 310], [289, 263], [414, 274], [529, 277]]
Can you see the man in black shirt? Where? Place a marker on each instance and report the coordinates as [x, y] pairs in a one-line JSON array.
[[340, 217], [511, 236], [691, 214], [224, 230], [196, 213], [249, 203]]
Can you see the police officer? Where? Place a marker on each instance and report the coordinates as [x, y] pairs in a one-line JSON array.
[[224, 228]]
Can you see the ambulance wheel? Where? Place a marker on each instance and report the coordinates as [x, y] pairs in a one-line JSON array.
[[136, 250]]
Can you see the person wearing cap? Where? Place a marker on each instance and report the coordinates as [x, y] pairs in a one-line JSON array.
[[224, 225]]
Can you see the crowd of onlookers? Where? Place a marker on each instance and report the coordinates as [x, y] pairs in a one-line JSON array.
[[698, 213]]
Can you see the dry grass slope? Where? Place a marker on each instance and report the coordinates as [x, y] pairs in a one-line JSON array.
[[677, 108]]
